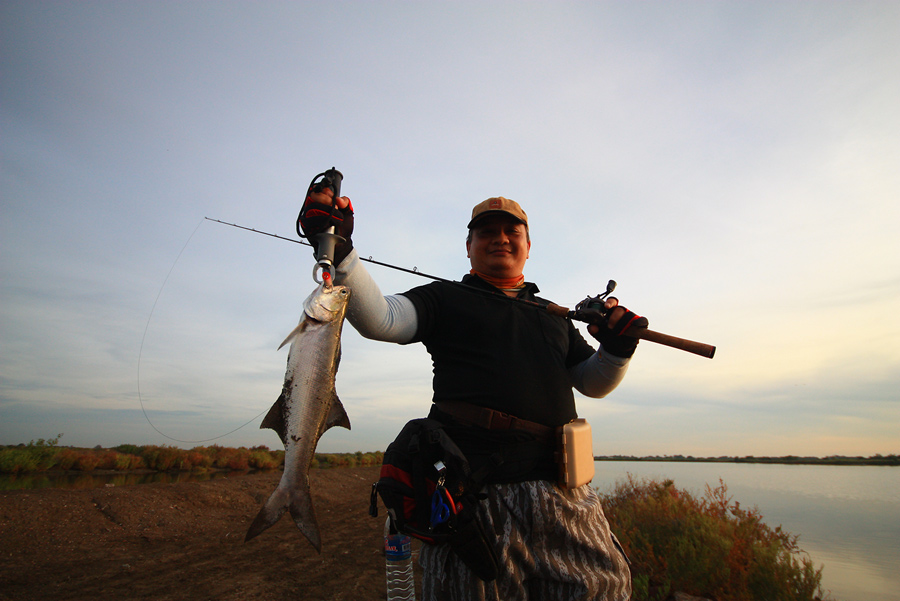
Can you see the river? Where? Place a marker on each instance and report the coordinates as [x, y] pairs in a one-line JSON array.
[[847, 517]]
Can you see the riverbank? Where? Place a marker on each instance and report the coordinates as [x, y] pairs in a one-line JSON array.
[[186, 541]]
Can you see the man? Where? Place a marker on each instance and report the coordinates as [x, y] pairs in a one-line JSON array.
[[494, 358]]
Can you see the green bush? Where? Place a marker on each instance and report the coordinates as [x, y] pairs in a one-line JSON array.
[[161, 458], [709, 547], [36, 456], [129, 449], [262, 459], [15, 460], [333, 460]]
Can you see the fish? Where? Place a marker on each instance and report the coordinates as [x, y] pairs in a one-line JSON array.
[[307, 407]]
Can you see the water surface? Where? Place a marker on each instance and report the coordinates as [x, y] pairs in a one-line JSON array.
[[847, 517]]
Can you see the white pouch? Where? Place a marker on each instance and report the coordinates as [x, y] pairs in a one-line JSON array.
[[576, 454]]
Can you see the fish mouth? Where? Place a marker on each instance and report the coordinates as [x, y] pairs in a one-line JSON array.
[[311, 318]]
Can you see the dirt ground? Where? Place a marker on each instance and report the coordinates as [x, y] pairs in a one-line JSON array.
[[186, 541]]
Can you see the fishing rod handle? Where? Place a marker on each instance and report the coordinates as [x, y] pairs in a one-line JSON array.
[[691, 346], [683, 344]]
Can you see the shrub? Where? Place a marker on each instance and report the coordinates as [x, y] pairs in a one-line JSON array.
[[65, 459], [332, 460], [127, 461], [232, 459], [708, 547], [14, 460], [262, 460], [195, 459], [36, 456], [207, 456], [161, 458], [129, 449], [107, 460], [86, 461]]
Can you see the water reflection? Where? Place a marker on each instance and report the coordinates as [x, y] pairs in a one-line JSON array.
[[100, 480], [846, 516]]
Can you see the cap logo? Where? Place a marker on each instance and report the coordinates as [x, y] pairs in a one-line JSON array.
[[501, 205]]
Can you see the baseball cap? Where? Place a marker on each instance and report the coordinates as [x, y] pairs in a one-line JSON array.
[[498, 204]]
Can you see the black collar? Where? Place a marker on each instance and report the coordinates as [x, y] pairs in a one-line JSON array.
[[527, 291]]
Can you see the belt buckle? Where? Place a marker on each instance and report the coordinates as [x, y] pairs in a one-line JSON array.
[[501, 421]]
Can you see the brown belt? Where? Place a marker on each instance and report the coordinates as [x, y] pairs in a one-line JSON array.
[[491, 419]]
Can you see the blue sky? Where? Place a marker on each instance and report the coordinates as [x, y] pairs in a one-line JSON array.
[[732, 165]]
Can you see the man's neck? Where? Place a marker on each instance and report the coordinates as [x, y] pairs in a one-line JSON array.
[[509, 286]]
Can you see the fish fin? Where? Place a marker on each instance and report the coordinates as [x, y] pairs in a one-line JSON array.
[[299, 502], [294, 333], [274, 419], [304, 515], [270, 513], [337, 416]]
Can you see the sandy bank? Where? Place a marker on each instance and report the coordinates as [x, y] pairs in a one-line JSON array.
[[185, 541]]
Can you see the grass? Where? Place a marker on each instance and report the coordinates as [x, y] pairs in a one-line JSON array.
[[44, 455], [709, 546]]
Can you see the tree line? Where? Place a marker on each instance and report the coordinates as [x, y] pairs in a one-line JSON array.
[[786, 459], [47, 455]]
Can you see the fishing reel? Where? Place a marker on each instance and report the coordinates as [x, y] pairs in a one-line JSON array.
[[593, 308], [325, 241]]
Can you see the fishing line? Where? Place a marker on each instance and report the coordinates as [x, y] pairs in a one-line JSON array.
[[141, 352], [413, 271]]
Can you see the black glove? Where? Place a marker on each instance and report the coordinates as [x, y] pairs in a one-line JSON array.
[[315, 217], [612, 339]]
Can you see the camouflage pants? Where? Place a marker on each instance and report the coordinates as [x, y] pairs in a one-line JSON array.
[[553, 544]]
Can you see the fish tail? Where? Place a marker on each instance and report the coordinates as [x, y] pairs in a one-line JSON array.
[[305, 516], [270, 513], [299, 503]]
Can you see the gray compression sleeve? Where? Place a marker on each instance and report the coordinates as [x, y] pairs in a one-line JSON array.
[[599, 375], [388, 318]]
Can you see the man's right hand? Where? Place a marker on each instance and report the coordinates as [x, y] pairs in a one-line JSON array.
[[317, 216]]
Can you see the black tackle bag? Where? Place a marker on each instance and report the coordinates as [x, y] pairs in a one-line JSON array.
[[430, 493]]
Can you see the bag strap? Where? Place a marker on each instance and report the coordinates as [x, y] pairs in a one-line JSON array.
[[418, 478]]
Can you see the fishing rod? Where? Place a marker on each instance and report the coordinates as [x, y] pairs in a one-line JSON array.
[[413, 271], [587, 311]]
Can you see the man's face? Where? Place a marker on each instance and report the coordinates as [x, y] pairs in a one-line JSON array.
[[499, 246]]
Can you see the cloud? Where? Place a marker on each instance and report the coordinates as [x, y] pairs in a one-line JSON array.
[[731, 166]]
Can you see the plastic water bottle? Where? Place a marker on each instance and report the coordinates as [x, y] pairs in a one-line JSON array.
[[401, 584]]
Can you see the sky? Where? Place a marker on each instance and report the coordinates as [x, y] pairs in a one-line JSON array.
[[732, 165]]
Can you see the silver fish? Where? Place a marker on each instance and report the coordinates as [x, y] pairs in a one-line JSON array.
[[307, 407]]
